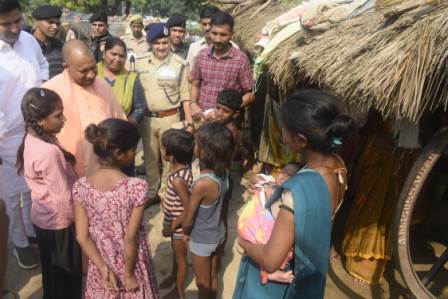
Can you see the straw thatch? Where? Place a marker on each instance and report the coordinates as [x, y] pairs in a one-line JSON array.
[[248, 26], [395, 64]]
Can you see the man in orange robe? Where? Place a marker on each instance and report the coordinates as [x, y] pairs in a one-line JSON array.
[[86, 98]]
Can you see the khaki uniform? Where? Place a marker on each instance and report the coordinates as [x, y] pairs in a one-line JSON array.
[[135, 47], [166, 87]]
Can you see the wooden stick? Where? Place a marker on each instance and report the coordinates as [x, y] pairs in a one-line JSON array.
[[247, 7], [266, 4]]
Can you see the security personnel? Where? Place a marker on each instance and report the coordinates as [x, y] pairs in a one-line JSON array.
[[135, 41], [164, 77], [47, 27], [177, 28], [99, 26]]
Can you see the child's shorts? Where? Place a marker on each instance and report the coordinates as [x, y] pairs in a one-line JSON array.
[[177, 236], [203, 249]]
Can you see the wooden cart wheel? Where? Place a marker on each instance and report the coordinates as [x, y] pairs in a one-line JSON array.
[[405, 208]]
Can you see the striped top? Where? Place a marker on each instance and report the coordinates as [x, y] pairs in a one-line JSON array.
[[172, 205]]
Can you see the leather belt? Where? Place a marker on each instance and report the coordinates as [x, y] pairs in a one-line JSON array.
[[162, 114]]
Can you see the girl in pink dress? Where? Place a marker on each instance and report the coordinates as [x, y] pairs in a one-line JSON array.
[[109, 208]]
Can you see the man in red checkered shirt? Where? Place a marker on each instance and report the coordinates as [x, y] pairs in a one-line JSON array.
[[219, 67]]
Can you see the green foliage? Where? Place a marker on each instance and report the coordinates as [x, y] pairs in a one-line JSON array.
[[80, 6], [160, 8], [165, 8]]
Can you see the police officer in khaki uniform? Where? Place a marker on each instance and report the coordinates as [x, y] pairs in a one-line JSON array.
[[135, 42], [164, 77]]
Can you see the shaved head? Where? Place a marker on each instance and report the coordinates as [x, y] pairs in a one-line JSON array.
[[79, 62], [75, 48]]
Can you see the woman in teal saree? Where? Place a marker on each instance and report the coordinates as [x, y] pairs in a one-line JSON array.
[[313, 127]]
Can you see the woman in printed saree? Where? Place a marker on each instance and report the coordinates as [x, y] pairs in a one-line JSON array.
[[126, 85], [303, 206]]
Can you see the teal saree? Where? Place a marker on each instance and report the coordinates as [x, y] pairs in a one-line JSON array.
[[312, 230]]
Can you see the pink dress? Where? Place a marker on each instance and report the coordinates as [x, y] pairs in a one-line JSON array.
[[109, 213]]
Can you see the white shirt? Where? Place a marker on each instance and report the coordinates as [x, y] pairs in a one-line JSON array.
[[21, 67], [2, 126], [198, 46]]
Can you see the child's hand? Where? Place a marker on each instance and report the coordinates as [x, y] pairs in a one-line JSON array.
[[268, 190], [109, 279], [186, 238], [173, 227], [131, 283], [166, 231], [252, 185], [280, 276], [211, 116], [281, 178]]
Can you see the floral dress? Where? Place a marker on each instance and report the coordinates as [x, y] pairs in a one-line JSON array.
[[108, 213]]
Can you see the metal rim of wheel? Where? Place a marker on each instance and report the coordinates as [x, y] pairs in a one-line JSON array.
[[422, 168]]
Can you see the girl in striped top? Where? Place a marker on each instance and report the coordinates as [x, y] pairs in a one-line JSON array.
[[178, 147]]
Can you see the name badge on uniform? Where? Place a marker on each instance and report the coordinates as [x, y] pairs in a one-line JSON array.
[[167, 77]]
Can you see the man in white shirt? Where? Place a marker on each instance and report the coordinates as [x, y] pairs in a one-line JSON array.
[[205, 18], [22, 66]]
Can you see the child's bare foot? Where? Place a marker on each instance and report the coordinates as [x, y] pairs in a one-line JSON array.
[[167, 282], [173, 295], [281, 276]]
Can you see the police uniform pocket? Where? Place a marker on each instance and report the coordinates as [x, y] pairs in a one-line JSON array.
[[167, 77]]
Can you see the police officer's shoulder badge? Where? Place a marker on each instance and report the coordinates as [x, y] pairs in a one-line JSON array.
[[179, 59]]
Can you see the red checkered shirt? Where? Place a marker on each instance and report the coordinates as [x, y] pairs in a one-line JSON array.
[[232, 71]]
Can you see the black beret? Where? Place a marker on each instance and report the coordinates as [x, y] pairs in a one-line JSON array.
[[99, 16], [47, 12], [176, 21]]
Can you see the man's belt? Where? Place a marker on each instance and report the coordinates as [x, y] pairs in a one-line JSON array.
[[162, 114]]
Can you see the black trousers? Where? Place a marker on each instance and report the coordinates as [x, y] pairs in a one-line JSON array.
[[61, 261]]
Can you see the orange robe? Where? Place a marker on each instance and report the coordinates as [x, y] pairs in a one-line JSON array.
[[83, 105]]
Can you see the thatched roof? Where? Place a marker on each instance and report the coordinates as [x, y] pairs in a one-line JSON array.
[[248, 26], [397, 65]]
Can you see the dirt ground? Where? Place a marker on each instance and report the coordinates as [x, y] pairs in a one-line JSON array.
[[339, 285]]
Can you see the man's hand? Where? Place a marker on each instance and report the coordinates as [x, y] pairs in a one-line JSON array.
[[196, 112]]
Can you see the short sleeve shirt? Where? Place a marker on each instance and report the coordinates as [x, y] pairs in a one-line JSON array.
[[165, 83], [232, 71], [137, 46]]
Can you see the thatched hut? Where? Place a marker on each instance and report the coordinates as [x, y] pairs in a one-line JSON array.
[[392, 58]]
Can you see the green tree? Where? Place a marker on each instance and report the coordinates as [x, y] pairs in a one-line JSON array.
[[165, 8], [85, 6]]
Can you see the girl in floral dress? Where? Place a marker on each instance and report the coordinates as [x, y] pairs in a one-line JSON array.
[[109, 208]]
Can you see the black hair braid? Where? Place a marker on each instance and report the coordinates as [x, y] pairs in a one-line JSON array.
[[32, 123]]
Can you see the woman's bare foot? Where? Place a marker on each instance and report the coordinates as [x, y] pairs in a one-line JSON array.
[[281, 276], [167, 282]]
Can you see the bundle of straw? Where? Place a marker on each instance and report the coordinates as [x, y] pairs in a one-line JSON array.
[[379, 4]]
